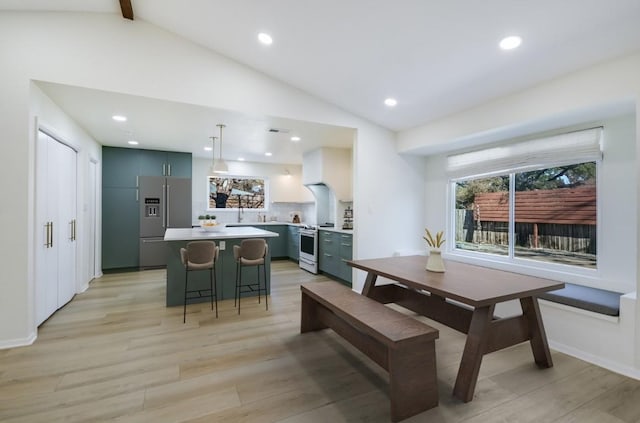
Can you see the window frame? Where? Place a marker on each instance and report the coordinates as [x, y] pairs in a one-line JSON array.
[[510, 262]]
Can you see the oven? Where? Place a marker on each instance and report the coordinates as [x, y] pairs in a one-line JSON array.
[[309, 249]]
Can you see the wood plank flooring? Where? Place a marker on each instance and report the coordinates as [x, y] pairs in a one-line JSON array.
[[116, 353]]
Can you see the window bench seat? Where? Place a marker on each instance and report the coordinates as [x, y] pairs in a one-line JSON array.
[[586, 298]]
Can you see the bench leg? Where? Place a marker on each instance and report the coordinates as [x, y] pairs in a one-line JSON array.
[[413, 380], [309, 320]]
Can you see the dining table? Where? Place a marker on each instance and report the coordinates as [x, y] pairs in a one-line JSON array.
[[464, 297]]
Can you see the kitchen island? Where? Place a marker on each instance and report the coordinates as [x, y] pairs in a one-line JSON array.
[[177, 238]]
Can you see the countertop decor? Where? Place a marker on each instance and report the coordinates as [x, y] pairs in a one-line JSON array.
[[434, 262]]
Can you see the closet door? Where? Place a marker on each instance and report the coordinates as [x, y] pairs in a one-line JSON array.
[[55, 268], [67, 228]]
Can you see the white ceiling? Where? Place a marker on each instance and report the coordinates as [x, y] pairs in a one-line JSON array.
[[436, 57]]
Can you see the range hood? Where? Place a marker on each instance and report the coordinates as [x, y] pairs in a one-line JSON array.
[[329, 167], [326, 172]]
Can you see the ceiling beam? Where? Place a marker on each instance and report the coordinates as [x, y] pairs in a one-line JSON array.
[[127, 9]]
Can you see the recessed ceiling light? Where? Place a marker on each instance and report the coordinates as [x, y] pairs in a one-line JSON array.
[[295, 139], [390, 102], [208, 148], [265, 38], [241, 159], [509, 43], [268, 154], [119, 118], [132, 142]]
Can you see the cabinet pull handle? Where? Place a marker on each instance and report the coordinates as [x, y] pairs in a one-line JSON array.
[[71, 230], [164, 169], [169, 167], [328, 255], [74, 229]]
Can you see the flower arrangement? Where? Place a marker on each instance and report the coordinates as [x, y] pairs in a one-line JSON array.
[[434, 242]]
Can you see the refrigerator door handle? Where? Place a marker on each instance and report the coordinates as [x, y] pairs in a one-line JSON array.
[[164, 202], [167, 205]]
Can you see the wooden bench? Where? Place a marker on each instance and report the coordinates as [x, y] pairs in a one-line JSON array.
[[400, 344]]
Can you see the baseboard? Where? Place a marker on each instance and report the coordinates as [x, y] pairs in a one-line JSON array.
[[19, 342], [616, 367]]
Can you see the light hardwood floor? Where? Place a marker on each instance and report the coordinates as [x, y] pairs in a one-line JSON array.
[[117, 353]]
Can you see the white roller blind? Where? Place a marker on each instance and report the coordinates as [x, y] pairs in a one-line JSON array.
[[573, 147]]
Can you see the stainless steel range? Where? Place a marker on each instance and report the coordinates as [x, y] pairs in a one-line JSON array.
[[309, 249]]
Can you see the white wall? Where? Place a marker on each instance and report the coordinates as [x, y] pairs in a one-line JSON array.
[[107, 52], [594, 95]]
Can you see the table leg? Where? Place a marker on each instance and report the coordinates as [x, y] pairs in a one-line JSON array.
[[539, 346], [369, 284], [474, 348]]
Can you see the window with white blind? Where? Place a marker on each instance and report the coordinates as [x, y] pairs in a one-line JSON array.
[[534, 200]]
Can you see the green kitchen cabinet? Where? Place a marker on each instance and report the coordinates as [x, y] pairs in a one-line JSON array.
[[120, 167], [278, 245], [120, 228], [165, 163], [345, 253], [293, 242], [327, 252], [334, 249]]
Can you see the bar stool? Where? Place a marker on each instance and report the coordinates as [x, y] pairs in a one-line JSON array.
[[251, 252], [200, 255]]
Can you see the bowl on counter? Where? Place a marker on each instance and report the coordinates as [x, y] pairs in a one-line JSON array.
[[212, 227]]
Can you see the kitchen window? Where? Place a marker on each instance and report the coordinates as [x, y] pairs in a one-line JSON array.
[[534, 201]]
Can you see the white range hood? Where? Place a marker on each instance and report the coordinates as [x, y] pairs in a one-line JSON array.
[[330, 167]]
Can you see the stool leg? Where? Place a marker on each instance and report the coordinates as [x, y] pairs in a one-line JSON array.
[[239, 282], [258, 276], [215, 289], [211, 285], [264, 277], [235, 293], [186, 279]]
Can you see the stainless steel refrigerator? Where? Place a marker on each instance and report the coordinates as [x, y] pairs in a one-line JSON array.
[[165, 202]]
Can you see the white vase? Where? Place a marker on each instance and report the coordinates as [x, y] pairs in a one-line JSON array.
[[434, 262]]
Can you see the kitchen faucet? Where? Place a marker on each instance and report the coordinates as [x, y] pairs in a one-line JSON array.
[[240, 211]]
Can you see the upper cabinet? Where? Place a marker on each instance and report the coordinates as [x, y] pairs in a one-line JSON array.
[[164, 163], [331, 167]]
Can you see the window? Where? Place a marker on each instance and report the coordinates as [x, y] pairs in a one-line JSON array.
[[237, 192], [529, 211]]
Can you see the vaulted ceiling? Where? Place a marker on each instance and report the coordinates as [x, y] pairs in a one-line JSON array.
[[435, 57]]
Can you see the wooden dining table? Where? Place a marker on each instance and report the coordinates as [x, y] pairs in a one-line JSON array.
[[464, 298]]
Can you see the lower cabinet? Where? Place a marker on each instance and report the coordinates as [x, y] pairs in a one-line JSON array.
[[278, 245], [334, 249], [293, 243]]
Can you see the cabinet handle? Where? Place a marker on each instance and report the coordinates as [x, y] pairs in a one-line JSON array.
[[169, 167], [328, 255], [74, 229], [71, 230], [150, 241], [164, 166], [137, 181], [344, 244]]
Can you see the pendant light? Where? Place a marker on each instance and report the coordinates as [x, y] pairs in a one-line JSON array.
[[213, 156], [220, 165]]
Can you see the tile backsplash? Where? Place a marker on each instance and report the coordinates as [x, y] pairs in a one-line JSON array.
[[277, 212]]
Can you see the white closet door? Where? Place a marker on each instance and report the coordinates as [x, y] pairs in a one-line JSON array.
[[46, 271], [67, 227], [55, 271]]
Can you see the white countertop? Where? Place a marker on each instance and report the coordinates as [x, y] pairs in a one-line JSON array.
[[195, 234]]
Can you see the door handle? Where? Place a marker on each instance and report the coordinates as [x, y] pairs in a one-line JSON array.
[[47, 235], [74, 229], [51, 238], [164, 203], [71, 230], [166, 207]]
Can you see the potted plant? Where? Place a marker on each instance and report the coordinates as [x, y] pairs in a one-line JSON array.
[[434, 262]]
